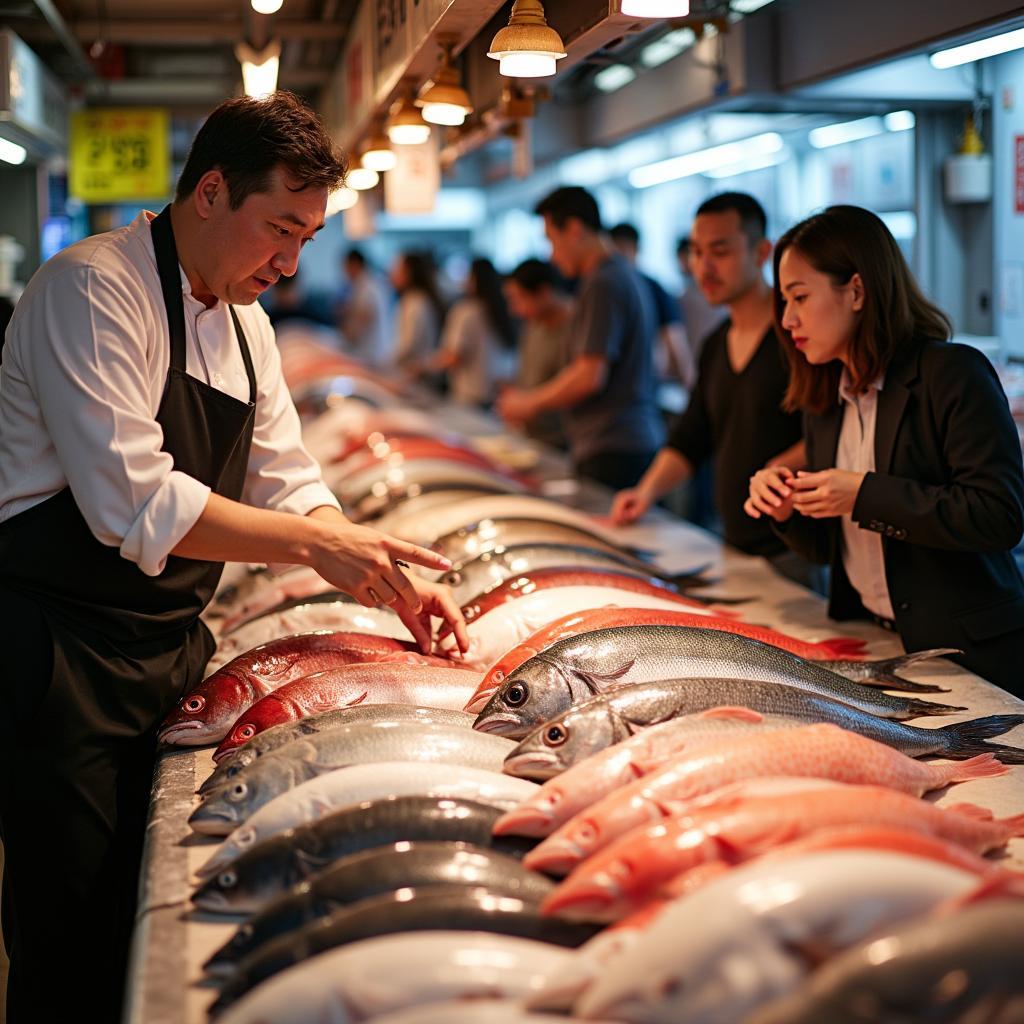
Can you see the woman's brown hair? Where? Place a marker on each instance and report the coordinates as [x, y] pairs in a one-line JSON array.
[[840, 242]]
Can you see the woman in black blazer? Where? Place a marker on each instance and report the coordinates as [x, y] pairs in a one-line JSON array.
[[914, 491]]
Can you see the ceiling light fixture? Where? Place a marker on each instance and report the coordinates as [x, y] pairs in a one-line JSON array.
[[656, 8], [899, 121], [266, 6], [527, 47], [705, 160], [614, 77], [670, 45], [378, 154], [259, 68], [978, 50], [12, 153], [845, 131], [343, 198], [406, 126], [443, 100], [360, 177]]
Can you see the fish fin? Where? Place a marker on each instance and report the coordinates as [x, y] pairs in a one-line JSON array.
[[692, 578], [924, 708], [973, 811], [751, 841], [884, 673], [842, 647], [733, 712], [965, 739], [982, 766], [598, 681], [1014, 825], [309, 863]]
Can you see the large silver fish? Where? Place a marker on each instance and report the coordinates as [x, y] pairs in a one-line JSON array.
[[359, 743], [579, 667], [596, 724], [961, 968], [370, 873], [280, 735]]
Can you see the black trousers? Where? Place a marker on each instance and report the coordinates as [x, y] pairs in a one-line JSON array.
[[616, 470], [72, 819]]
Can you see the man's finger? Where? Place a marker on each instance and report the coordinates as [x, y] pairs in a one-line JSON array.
[[414, 553]]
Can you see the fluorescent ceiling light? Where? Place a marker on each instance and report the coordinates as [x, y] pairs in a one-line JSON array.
[[615, 77], [757, 163], [341, 199], [667, 47], [978, 50], [266, 6], [12, 153], [748, 6], [705, 160], [656, 8], [899, 121], [845, 131]]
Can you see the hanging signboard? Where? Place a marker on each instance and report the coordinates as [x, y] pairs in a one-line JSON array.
[[119, 155], [413, 185]]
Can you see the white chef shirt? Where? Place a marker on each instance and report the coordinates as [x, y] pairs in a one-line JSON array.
[[83, 373], [863, 557]]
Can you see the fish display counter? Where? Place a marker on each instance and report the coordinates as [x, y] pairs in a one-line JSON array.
[[783, 818]]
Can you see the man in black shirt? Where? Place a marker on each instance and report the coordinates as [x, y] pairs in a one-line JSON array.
[[735, 415]]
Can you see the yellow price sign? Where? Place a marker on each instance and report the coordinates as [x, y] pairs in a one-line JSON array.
[[119, 155]]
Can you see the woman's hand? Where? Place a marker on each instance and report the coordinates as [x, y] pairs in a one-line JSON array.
[[629, 506], [828, 493], [771, 493], [435, 600]]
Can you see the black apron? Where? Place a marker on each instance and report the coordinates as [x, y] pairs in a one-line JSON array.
[[102, 652]]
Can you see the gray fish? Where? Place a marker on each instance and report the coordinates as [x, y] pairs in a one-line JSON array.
[[601, 721], [358, 743], [371, 873], [434, 908], [279, 735], [962, 968], [271, 867], [580, 667], [474, 575], [476, 538]]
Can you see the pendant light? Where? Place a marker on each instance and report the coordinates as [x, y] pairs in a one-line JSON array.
[[444, 101], [343, 198], [378, 154], [656, 8], [406, 126], [528, 47], [360, 177], [266, 6]]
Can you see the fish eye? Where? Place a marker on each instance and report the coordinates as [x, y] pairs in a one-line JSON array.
[[555, 735], [246, 732], [453, 579], [194, 704], [246, 837], [238, 791], [227, 880], [517, 694]]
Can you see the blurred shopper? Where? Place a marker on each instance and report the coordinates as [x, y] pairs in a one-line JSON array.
[[420, 312], [607, 389], [914, 490], [365, 320], [537, 296], [671, 357], [478, 338], [734, 415], [700, 318]]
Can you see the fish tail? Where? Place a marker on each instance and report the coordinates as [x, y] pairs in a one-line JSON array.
[[921, 708], [966, 739], [981, 766], [1014, 826], [884, 673]]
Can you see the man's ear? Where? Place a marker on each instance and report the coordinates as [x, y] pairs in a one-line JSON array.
[[211, 189], [764, 251]]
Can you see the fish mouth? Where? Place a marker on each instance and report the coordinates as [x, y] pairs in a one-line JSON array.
[[220, 966], [499, 724], [210, 821], [523, 821], [212, 900], [211, 783], [556, 857], [479, 701], [593, 900], [187, 734], [537, 764]]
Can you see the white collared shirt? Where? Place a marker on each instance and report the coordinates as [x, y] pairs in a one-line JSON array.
[[863, 556], [83, 373]]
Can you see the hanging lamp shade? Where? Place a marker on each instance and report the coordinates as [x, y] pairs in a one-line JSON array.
[[444, 101], [527, 47], [378, 154], [656, 8], [360, 177], [406, 126]]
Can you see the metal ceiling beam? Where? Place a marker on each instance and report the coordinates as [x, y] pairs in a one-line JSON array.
[[67, 39], [169, 31]]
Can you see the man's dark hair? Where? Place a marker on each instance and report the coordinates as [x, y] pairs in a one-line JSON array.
[[625, 233], [245, 139], [355, 256], [570, 202], [533, 275], [751, 213], [683, 246]]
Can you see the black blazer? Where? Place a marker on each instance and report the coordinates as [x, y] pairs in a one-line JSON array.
[[948, 498]]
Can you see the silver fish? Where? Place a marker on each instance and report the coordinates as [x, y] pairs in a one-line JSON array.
[[279, 735], [962, 968], [582, 666], [359, 743], [601, 721]]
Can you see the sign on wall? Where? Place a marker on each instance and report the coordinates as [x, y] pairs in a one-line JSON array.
[[119, 155]]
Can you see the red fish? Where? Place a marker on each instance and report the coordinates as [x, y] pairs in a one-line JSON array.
[[207, 711], [425, 684], [603, 618]]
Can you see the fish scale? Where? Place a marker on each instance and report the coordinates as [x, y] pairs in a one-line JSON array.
[[577, 668]]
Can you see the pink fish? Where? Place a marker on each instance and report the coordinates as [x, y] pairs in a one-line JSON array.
[[633, 869], [822, 751], [207, 711], [428, 682]]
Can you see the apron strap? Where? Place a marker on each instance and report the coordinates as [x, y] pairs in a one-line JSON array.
[[170, 284], [246, 357]]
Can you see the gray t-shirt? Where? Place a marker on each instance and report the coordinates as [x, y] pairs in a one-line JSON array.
[[615, 319]]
